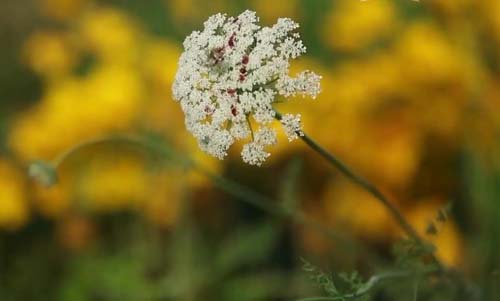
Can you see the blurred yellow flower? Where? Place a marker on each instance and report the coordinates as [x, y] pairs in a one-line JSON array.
[[313, 116], [205, 163], [491, 11], [50, 53], [160, 59], [448, 242], [165, 117], [76, 109], [14, 208], [111, 182], [54, 201], [125, 181], [349, 206], [428, 56], [356, 116], [439, 79], [164, 203], [352, 25], [390, 153], [114, 95], [444, 117], [161, 113], [110, 34]]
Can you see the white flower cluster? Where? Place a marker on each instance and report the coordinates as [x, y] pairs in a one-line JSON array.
[[292, 126], [234, 70]]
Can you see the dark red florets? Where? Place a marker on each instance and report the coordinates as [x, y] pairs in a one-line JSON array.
[[233, 110], [245, 60], [231, 40]]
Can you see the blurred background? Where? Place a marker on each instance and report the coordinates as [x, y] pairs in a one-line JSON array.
[[411, 100]]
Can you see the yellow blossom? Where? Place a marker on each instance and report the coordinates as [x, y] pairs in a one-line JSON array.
[[162, 114], [50, 53], [347, 205], [14, 209], [54, 201], [428, 57], [110, 34], [111, 182], [352, 25], [390, 153], [77, 109], [125, 181], [313, 115], [491, 11], [160, 59], [164, 203], [448, 242], [114, 95]]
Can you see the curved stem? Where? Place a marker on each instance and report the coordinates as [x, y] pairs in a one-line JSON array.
[[372, 189], [57, 161], [235, 189]]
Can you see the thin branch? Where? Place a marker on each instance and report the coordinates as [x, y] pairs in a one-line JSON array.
[[373, 190], [363, 183], [235, 189], [398, 216]]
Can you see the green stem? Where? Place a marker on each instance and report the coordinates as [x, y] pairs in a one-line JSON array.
[[369, 187], [239, 191], [57, 161], [247, 117], [372, 189]]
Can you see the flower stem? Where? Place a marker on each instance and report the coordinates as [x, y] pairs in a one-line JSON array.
[[250, 127], [372, 189], [240, 192], [57, 161]]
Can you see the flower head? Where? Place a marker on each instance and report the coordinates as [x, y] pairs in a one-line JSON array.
[[234, 70]]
